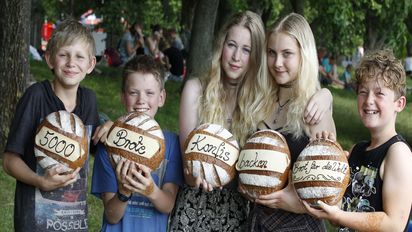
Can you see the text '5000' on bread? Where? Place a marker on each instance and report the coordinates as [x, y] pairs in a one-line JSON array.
[[61, 138], [211, 153], [264, 163], [137, 137], [321, 172]]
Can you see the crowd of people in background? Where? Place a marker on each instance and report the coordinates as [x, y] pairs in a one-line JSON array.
[[165, 45]]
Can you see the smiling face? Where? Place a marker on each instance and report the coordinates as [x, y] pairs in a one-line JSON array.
[[70, 64], [236, 52], [143, 93], [377, 105], [283, 57]]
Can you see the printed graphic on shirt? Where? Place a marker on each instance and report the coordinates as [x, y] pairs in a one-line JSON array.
[[141, 207], [362, 186], [64, 209]]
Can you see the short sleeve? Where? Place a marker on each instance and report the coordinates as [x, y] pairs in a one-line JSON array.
[[174, 169], [104, 177], [25, 121]]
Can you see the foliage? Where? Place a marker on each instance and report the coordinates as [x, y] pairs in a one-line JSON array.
[[341, 26], [335, 25], [146, 12], [58, 10]]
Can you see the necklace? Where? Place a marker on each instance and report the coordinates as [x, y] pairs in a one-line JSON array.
[[279, 109]]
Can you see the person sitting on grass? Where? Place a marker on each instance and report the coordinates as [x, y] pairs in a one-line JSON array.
[[142, 202], [379, 197]]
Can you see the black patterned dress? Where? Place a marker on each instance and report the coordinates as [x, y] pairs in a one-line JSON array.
[[219, 210]]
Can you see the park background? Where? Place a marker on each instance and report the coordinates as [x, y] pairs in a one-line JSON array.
[[340, 26]]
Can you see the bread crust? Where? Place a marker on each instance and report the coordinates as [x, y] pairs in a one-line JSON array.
[[209, 166], [152, 162], [82, 141], [273, 144], [328, 176]]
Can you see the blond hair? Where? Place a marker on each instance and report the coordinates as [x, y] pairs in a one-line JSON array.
[[143, 64], [307, 82], [382, 65], [69, 32], [252, 87]]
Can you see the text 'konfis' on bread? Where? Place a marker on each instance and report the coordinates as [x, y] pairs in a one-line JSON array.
[[61, 138], [137, 137], [264, 163], [211, 152], [321, 172]]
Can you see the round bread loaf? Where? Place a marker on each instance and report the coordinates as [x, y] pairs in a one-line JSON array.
[[137, 137], [264, 163], [61, 138], [321, 172], [211, 153]]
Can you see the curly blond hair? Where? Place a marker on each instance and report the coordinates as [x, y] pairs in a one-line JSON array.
[[382, 64]]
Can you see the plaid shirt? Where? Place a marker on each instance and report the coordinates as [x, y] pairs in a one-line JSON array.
[[264, 219]]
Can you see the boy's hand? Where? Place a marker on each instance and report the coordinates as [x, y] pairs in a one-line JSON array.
[[122, 170], [54, 179], [140, 180], [101, 132], [326, 135], [324, 211]]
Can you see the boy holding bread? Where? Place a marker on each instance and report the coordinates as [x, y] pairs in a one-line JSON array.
[[135, 197], [50, 199], [379, 196]]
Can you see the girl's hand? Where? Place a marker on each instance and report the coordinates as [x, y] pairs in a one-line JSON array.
[[318, 104], [197, 182]]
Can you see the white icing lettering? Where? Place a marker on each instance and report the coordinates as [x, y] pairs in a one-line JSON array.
[[58, 144], [214, 147], [133, 142], [319, 170], [260, 159]]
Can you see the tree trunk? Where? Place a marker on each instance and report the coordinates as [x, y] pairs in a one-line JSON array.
[[201, 42], [298, 6], [14, 54], [188, 11], [373, 40], [166, 10]]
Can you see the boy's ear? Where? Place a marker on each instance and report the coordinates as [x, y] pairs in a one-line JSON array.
[[162, 98], [48, 60], [92, 64], [400, 103]]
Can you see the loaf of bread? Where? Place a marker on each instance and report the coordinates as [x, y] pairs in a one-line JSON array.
[[137, 137], [211, 153], [61, 138], [264, 163], [321, 172]]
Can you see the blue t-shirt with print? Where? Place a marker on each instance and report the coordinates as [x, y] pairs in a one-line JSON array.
[[140, 214]]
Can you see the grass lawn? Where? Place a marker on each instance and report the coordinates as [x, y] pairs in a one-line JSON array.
[[107, 88]]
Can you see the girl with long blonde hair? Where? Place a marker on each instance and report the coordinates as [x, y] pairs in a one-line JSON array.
[[293, 65]]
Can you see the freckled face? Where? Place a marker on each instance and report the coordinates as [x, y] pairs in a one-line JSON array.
[[376, 104], [143, 94], [236, 52], [71, 64], [283, 58]]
